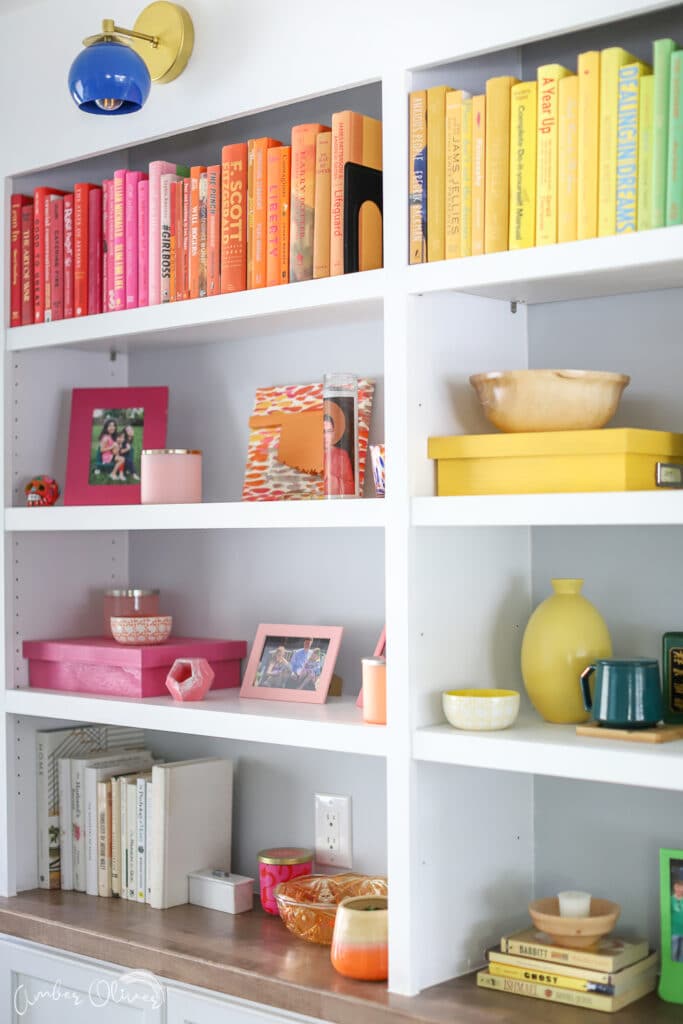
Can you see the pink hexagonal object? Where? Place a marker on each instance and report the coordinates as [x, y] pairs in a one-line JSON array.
[[189, 679]]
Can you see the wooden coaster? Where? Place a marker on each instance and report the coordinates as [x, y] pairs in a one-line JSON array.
[[655, 734]]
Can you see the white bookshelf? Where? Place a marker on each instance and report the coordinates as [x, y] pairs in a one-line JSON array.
[[453, 578]]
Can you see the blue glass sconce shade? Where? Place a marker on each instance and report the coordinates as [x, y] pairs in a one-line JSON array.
[[109, 78]]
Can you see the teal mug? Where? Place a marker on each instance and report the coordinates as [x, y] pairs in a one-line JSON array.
[[628, 693]]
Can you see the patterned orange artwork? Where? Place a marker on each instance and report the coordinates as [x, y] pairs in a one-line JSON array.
[[285, 454]]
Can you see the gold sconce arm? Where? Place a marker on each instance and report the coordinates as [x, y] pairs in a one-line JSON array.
[[166, 44], [111, 31]]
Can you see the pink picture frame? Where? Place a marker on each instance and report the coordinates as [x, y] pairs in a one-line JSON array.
[[379, 652], [108, 429], [291, 663]]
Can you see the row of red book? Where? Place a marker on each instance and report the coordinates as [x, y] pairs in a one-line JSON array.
[[265, 215]]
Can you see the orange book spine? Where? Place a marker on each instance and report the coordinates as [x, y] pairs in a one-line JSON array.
[[234, 217], [302, 200], [370, 225], [323, 187], [195, 175], [478, 173], [277, 226], [173, 258], [347, 145], [260, 210], [213, 231], [250, 213]]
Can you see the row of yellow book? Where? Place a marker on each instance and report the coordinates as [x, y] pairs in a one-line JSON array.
[[606, 978], [566, 157]]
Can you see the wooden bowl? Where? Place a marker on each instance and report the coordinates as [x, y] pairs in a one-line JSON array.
[[574, 932], [532, 400]]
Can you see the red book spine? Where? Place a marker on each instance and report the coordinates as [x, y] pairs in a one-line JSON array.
[[234, 218], [106, 185], [213, 231], [68, 256], [40, 249], [187, 194], [18, 202], [81, 215], [179, 250], [47, 254], [56, 246], [95, 251], [143, 246], [27, 264]]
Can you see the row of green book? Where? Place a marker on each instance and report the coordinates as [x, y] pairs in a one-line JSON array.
[[565, 157]]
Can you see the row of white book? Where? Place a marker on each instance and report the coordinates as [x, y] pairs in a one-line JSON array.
[[115, 821]]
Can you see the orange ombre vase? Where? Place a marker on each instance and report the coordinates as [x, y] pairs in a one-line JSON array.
[[359, 942]]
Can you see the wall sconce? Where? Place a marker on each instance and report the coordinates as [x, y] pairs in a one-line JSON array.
[[114, 72]]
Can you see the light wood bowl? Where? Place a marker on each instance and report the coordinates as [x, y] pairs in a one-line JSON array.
[[574, 932], [533, 400]]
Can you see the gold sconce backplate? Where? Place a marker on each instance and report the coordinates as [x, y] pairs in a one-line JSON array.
[[172, 26]]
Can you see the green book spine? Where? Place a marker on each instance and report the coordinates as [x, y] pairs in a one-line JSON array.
[[645, 126], [662, 50], [674, 178], [627, 148]]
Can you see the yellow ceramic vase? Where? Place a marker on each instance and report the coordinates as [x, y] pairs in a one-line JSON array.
[[564, 635]]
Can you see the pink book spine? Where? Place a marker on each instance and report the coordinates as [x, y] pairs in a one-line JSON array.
[[110, 247], [106, 185], [187, 187], [156, 169], [143, 242], [119, 240], [95, 251], [131, 232], [56, 241], [68, 256]]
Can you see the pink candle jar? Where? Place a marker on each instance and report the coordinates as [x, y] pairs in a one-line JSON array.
[[279, 865], [129, 602], [375, 690], [170, 476]]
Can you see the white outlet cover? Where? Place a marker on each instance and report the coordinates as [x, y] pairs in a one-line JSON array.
[[333, 844]]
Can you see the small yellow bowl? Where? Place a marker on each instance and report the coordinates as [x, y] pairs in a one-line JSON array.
[[480, 709]]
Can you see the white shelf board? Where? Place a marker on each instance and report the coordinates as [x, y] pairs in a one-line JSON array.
[[535, 747], [641, 261], [336, 725], [233, 515], [258, 312], [607, 508]]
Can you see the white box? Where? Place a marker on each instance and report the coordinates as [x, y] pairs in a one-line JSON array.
[[219, 890]]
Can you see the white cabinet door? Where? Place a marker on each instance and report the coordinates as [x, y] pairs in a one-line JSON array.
[[45, 988], [184, 1007]]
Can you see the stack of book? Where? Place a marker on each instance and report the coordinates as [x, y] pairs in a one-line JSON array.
[[606, 978], [264, 213], [566, 156], [113, 821]]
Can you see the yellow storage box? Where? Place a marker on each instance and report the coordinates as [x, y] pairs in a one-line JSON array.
[[553, 461]]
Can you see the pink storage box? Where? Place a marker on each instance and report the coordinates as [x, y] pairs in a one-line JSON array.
[[100, 665]]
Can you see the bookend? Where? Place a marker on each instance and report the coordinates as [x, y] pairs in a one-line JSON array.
[[361, 185]]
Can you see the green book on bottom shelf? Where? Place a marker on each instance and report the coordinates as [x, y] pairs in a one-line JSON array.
[[554, 994]]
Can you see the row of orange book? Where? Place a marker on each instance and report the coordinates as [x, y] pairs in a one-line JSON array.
[[267, 214]]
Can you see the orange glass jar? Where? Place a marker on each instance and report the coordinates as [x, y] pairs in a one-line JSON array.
[[360, 938], [374, 674]]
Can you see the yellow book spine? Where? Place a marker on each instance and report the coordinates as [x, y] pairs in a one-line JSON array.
[[436, 172], [417, 185], [645, 136], [370, 220], [567, 159], [453, 216], [523, 100], [627, 147], [548, 977], [322, 205], [548, 78], [611, 60], [478, 173], [466, 207], [497, 183], [588, 73]]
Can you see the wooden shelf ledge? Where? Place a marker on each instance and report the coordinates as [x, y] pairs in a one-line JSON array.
[[252, 956]]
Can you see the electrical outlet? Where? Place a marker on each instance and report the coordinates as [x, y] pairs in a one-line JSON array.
[[333, 830]]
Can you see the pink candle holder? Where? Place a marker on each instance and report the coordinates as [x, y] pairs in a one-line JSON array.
[[279, 865]]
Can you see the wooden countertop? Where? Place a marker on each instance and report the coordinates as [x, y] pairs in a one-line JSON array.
[[252, 956]]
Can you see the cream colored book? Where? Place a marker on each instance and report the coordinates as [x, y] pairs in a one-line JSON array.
[[191, 824]]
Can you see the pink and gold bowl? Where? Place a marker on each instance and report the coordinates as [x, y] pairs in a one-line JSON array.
[[141, 630], [308, 906]]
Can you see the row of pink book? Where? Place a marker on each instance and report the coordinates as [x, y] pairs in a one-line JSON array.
[[267, 214]]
